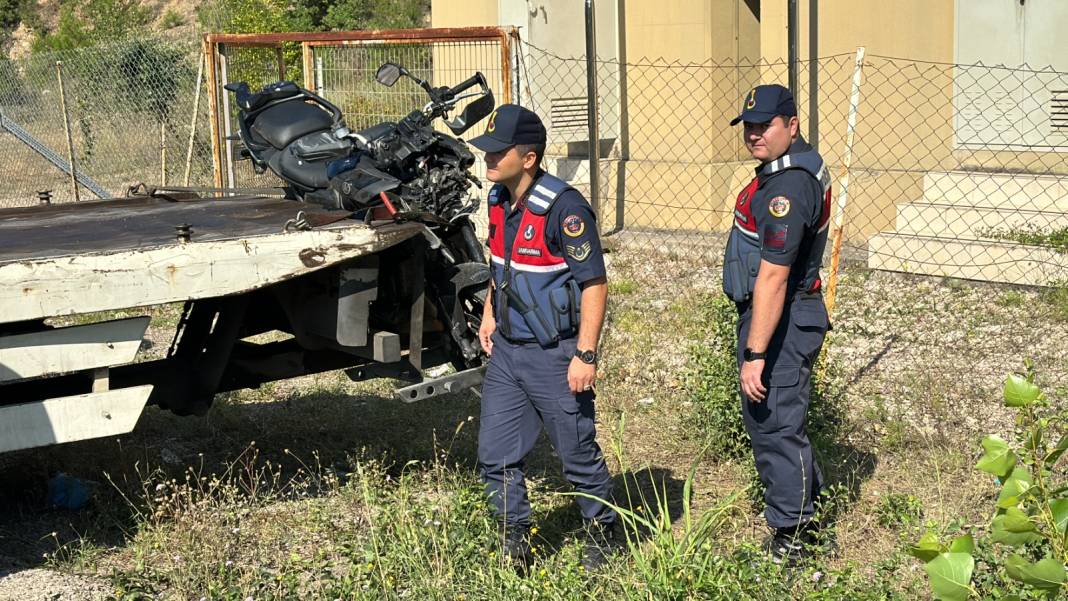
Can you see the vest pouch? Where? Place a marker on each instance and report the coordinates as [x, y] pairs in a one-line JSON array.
[[542, 329], [735, 280], [566, 302]]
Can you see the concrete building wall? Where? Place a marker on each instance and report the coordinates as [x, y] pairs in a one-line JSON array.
[[682, 163]]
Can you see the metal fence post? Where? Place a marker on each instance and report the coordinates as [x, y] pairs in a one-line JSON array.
[[66, 128], [591, 104], [843, 192], [813, 74]]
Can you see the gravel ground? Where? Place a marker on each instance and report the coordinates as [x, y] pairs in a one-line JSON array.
[[39, 584]]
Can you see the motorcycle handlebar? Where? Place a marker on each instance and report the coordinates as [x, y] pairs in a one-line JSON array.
[[476, 79]]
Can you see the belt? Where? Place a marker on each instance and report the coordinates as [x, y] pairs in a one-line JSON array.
[[797, 295], [531, 340]]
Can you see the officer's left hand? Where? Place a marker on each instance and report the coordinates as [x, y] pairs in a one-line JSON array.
[[581, 376], [750, 378]]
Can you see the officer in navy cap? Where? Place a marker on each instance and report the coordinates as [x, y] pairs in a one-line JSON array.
[[540, 327], [771, 270]]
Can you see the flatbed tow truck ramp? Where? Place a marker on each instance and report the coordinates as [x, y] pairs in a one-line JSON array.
[[347, 294]]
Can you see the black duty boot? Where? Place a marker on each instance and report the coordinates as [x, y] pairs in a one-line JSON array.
[[602, 541], [515, 545], [792, 546]]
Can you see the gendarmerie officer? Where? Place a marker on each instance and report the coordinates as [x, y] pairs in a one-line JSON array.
[[541, 327], [771, 270]]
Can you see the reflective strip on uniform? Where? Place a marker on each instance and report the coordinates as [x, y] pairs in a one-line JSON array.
[[540, 189], [538, 202], [748, 233], [532, 268]]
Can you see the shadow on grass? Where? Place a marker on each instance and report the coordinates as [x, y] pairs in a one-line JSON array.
[[317, 429]]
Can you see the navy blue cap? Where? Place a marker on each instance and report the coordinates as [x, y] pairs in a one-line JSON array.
[[509, 125], [762, 103]]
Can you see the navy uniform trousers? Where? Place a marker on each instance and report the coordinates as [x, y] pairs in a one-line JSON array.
[[525, 387], [781, 447]]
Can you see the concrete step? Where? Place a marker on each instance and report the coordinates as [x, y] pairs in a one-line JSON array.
[[983, 260], [997, 190], [958, 221]]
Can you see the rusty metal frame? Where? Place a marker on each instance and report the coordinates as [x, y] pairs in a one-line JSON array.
[[215, 42], [440, 34]]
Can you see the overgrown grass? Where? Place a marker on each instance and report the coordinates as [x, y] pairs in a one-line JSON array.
[[1056, 298], [712, 383], [406, 519], [427, 533]]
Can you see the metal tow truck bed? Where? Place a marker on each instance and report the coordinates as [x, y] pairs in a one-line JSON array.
[[108, 255], [240, 272]]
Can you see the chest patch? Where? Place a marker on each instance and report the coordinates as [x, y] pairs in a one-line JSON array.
[[528, 232], [530, 252]]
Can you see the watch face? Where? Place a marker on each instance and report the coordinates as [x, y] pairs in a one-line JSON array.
[[587, 356]]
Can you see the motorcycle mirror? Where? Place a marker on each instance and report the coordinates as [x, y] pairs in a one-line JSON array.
[[472, 114], [388, 74]]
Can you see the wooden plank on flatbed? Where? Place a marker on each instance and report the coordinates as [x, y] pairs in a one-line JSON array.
[[108, 280], [70, 349], [74, 229], [71, 258]]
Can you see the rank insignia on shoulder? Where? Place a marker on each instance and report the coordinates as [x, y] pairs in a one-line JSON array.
[[779, 206], [574, 226], [580, 252]]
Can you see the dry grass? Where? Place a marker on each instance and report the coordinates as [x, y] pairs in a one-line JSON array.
[[917, 365]]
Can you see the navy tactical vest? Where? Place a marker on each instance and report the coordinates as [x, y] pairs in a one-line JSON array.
[[536, 297], [741, 261]]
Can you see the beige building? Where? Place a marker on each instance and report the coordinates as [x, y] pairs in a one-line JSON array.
[[674, 71]]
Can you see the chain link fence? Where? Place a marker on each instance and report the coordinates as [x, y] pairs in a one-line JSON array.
[[135, 113], [954, 170]]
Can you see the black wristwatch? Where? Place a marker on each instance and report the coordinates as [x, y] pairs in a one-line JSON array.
[[588, 357], [750, 355]]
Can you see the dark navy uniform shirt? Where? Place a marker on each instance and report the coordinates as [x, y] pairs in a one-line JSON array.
[[787, 205]]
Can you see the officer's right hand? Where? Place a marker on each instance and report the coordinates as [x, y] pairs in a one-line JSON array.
[[485, 333]]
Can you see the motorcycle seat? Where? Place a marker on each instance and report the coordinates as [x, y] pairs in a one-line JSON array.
[[305, 160], [281, 124]]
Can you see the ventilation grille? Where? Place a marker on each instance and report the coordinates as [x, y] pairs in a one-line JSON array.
[[569, 114], [1058, 111]]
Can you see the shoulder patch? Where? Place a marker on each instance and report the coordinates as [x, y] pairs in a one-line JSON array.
[[494, 196], [581, 252], [779, 206], [574, 226], [775, 237]]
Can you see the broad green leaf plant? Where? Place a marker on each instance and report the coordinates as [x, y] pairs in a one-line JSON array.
[[1031, 511]]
